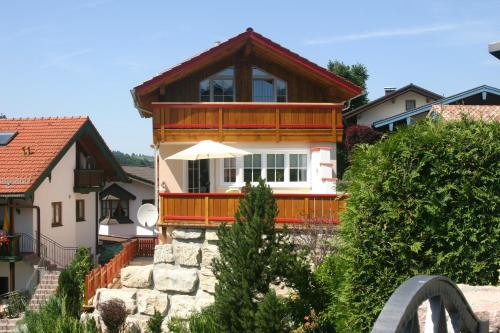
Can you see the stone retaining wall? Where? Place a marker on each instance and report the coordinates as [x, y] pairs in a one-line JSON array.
[[178, 283]]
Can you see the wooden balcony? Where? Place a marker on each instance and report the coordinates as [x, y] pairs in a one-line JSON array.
[[275, 122], [88, 180], [211, 209]]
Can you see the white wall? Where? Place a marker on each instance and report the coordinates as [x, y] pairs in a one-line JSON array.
[[390, 108], [173, 175], [23, 273], [141, 191]]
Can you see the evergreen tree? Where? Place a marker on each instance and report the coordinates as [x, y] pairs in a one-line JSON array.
[[357, 74], [252, 256]]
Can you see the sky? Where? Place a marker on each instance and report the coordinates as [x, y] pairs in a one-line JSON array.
[[63, 58]]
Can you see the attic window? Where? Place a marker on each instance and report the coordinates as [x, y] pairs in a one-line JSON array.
[[6, 137], [218, 87], [267, 88]]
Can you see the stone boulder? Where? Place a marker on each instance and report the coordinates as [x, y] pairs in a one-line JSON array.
[[187, 254], [136, 323], [211, 235], [128, 296], [136, 276], [187, 233], [208, 253], [203, 300], [168, 277], [182, 306], [207, 280], [163, 254], [150, 300]]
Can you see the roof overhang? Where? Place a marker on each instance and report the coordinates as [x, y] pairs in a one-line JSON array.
[[255, 41], [494, 49]]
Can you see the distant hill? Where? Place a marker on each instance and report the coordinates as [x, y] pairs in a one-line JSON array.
[[134, 159]]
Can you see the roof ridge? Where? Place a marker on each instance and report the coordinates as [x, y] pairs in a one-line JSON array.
[[47, 118]]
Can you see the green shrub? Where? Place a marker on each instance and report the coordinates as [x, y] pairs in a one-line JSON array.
[[107, 252], [113, 313], [425, 200], [272, 315], [177, 325], [72, 281], [203, 321], [154, 323], [16, 304]]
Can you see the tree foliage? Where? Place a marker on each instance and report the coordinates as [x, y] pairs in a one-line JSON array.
[[425, 200], [134, 159], [357, 74], [358, 134], [252, 257]]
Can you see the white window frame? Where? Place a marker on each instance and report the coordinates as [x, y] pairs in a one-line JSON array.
[[270, 77], [264, 151], [218, 76]]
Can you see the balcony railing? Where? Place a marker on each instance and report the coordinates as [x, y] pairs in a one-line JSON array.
[[9, 249], [89, 179], [211, 209], [247, 121]]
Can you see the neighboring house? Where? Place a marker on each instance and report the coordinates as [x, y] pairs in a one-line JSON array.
[[119, 203], [51, 170], [482, 95], [494, 49], [395, 101], [475, 112], [250, 93]]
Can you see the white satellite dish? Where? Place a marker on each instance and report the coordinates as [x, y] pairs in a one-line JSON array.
[[147, 215]]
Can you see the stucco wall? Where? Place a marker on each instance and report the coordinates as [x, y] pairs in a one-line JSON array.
[[390, 108], [141, 192], [23, 273], [173, 176]]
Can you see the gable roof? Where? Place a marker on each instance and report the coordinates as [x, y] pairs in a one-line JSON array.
[[116, 192], [424, 109], [474, 112], [410, 87], [143, 174], [233, 43], [39, 145]]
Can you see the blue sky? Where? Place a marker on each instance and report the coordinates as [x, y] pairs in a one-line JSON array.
[[82, 57]]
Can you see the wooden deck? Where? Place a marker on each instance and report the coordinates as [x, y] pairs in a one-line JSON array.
[[211, 209]]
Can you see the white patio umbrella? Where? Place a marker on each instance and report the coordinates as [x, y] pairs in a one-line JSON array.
[[207, 149]]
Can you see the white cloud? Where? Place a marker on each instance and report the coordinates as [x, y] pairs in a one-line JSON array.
[[61, 60], [384, 34]]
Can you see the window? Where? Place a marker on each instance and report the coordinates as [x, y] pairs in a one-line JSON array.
[[267, 88], [149, 201], [80, 210], [252, 168], [298, 167], [199, 176], [219, 87], [6, 137], [275, 167], [410, 104], [56, 214], [229, 170], [114, 208]]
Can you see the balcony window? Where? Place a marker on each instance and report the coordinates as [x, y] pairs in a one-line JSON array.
[[275, 168], [298, 167], [219, 87], [252, 168], [267, 88], [80, 210], [229, 170]]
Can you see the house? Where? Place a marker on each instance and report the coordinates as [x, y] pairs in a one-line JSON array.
[[494, 49], [393, 102], [129, 195], [253, 94], [482, 95], [51, 170]]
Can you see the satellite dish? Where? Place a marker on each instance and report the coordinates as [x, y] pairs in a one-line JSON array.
[[147, 215]]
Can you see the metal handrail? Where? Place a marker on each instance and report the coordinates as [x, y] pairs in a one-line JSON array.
[[400, 313], [49, 249]]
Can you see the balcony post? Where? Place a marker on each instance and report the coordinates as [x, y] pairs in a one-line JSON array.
[[334, 124], [206, 208], [277, 120], [162, 124], [220, 125]]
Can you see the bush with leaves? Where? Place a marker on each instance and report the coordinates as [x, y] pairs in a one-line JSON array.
[[72, 280], [114, 314], [16, 304], [424, 200], [154, 323], [253, 255], [359, 134]]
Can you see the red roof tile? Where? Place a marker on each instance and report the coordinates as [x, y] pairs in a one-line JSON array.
[[475, 112], [37, 143]]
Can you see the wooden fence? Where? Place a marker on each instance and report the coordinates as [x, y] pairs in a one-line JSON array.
[[102, 276]]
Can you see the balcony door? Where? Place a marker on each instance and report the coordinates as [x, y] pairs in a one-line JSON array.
[[199, 176]]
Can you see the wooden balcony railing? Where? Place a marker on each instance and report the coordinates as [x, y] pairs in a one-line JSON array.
[[247, 121], [211, 209], [87, 179]]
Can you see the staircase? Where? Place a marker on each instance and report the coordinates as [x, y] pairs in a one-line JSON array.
[[8, 325], [46, 288]]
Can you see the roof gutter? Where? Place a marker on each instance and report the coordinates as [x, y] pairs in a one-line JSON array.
[[141, 110], [12, 195], [348, 103]]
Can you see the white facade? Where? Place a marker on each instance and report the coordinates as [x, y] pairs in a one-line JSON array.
[[391, 107], [321, 167], [142, 191]]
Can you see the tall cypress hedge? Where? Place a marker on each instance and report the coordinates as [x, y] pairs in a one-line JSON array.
[[425, 200]]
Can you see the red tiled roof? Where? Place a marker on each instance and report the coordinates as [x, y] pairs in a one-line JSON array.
[[249, 34], [37, 143], [475, 112]]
